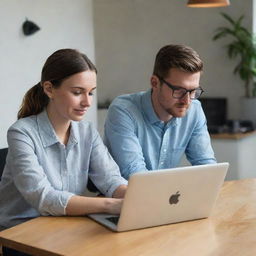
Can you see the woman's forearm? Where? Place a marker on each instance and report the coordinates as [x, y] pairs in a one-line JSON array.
[[80, 205]]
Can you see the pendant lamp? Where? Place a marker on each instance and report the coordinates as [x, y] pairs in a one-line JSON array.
[[208, 3]]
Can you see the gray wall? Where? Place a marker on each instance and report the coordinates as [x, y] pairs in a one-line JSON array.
[[63, 24], [128, 34]]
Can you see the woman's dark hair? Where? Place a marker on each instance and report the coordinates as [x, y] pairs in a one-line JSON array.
[[59, 66]]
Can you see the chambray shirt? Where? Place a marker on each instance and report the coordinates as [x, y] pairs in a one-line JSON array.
[[41, 174], [139, 141]]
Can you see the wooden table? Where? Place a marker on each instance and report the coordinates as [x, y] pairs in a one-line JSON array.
[[230, 231]]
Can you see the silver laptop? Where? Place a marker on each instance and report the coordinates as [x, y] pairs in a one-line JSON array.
[[166, 196]]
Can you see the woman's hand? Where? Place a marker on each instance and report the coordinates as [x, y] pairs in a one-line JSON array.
[[113, 205], [80, 205]]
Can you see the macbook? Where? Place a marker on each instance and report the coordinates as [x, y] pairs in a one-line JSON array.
[[167, 196]]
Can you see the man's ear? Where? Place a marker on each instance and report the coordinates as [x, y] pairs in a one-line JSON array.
[[154, 81], [48, 89]]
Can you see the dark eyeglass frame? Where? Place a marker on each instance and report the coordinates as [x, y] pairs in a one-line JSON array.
[[176, 88]]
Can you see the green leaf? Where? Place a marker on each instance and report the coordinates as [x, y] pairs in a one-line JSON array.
[[242, 48], [228, 18]]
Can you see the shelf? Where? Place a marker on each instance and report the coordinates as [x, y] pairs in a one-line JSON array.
[[232, 136]]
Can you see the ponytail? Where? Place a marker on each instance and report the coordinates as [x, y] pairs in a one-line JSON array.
[[34, 102]]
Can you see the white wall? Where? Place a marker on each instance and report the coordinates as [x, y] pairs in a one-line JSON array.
[[128, 34], [64, 24], [254, 15]]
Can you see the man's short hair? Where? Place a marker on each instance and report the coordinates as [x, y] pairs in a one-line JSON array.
[[181, 57]]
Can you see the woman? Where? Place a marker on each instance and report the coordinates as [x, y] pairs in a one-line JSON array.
[[52, 151]]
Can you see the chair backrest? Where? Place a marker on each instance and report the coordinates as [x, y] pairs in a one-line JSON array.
[[3, 154]]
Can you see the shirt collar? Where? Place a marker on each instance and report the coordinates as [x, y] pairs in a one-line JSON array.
[[74, 133], [148, 107], [47, 133]]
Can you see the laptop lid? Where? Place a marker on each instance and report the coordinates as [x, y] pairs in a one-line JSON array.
[[168, 196]]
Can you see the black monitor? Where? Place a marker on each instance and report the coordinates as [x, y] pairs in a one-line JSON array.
[[215, 110]]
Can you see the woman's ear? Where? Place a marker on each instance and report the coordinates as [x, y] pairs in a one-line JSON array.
[[48, 89]]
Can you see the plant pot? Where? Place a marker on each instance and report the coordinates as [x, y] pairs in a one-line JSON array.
[[248, 109]]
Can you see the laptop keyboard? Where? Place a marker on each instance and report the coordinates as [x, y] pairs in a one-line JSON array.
[[113, 219]]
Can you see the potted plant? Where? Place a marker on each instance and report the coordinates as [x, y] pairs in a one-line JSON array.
[[243, 48]]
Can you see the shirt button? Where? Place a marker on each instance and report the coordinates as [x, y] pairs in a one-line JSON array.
[[162, 163], [164, 150]]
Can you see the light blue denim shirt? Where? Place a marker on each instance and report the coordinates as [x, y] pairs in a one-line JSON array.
[[41, 174], [139, 141]]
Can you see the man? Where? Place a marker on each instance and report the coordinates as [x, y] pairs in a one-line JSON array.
[[152, 130]]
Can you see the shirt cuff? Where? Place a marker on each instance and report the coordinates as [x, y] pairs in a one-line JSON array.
[[56, 204], [111, 190]]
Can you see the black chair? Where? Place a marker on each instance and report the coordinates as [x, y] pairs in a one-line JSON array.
[[3, 154], [91, 187]]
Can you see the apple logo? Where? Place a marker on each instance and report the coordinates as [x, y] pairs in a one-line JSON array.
[[174, 199]]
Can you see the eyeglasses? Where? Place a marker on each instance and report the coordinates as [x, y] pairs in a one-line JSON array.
[[179, 92]]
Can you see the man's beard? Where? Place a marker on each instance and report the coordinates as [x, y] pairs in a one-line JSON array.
[[173, 111]]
